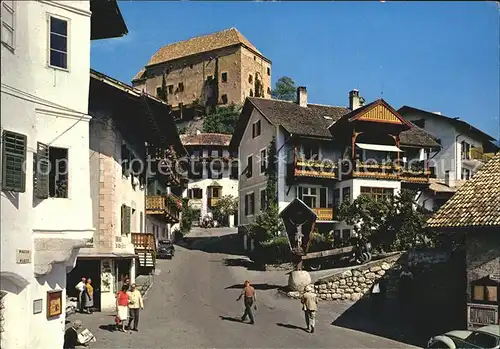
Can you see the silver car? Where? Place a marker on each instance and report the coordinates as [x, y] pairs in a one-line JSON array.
[[487, 337]]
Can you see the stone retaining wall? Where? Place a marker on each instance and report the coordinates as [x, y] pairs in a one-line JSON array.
[[355, 283]]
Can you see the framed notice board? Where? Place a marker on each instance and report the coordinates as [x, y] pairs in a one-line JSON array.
[[54, 304]]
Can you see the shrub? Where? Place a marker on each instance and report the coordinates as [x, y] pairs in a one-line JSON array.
[[276, 250]]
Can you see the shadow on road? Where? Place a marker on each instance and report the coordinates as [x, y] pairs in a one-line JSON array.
[[290, 326], [388, 323], [243, 262], [256, 286], [232, 319], [227, 244], [109, 328]]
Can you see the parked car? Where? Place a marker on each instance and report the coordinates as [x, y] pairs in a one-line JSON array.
[[166, 249], [487, 337]]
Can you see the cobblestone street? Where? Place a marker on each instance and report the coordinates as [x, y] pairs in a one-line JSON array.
[[192, 305]]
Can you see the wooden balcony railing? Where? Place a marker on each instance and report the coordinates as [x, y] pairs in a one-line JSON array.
[[168, 206], [324, 168], [324, 214], [477, 154], [143, 241]]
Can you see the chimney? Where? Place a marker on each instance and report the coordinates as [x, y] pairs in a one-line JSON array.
[[449, 179], [354, 100], [302, 96]]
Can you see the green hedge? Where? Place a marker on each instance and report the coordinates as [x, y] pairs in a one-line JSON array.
[[274, 251]]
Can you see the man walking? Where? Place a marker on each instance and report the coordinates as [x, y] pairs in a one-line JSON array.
[[134, 305], [310, 306], [249, 299]]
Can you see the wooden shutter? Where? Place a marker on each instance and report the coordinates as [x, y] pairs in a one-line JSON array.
[[13, 158], [246, 205], [42, 165], [126, 219], [141, 228]]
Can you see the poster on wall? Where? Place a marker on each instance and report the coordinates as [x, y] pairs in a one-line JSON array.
[[54, 304], [106, 276]]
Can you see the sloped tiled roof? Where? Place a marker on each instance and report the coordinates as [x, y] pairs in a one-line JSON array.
[[204, 43], [310, 121], [475, 204], [416, 136], [438, 186], [219, 139]]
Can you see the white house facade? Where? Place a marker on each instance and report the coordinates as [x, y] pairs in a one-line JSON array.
[[328, 155], [46, 209], [464, 150], [212, 171]]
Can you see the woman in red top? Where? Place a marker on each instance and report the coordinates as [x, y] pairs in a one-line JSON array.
[[122, 306]]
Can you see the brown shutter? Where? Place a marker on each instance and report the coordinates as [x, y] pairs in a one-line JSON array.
[[141, 228], [128, 219], [13, 159], [42, 165]]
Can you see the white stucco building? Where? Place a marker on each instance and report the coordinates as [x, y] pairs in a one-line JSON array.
[[327, 155], [213, 171], [46, 209], [464, 150], [124, 123]]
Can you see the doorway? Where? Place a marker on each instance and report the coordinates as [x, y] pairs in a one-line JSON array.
[[90, 268]]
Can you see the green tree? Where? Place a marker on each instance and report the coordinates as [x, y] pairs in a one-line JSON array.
[[268, 225], [393, 224], [187, 217], [225, 206], [284, 89], [223, 119]]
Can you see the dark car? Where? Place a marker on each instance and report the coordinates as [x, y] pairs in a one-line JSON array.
[[166, 249]]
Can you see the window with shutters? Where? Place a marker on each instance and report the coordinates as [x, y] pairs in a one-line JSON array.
[[249, 204], [126, 155], [256, 129], [346, 194], [58, 175], [249, 166], [263, 161], [8, 23], [126, 218], [42, 171], [13, 159]]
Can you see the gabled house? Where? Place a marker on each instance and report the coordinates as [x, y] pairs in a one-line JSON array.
[[213, 172], [327, 155], [464, 149], [131, 133], [473, 214], [46, 207]]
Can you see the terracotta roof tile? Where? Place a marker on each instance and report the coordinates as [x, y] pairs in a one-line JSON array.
[[204, 43], [476, 203], [219, 139]]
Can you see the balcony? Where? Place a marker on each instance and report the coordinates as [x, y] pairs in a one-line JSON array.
[[415, 173], [324, 214], [383, 170], [143, 241], [476, 156], [168, 206], [324, 168]]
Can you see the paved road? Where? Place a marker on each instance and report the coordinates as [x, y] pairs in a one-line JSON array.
[[192, 305]]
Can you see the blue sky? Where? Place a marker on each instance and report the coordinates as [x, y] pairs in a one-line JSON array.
[[440, 56]]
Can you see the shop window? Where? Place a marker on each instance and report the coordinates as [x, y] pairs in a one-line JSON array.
[[485, 291]]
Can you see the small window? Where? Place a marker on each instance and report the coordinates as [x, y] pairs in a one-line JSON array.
[[13, 159], [224, 77], [8, 23], [346, 234], [268, 90], [256, 129], [159, 92], [181, 87], [170, 89], [191, 66], [234, 169], [250, 78], [346, 194], [224, 99], [263, 161], [249, 166], [209, 78], [251, 93], [249, 204], [197, 193], [58, 43], [420, 123], [263, 200], [51, 172], [269, 71]]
